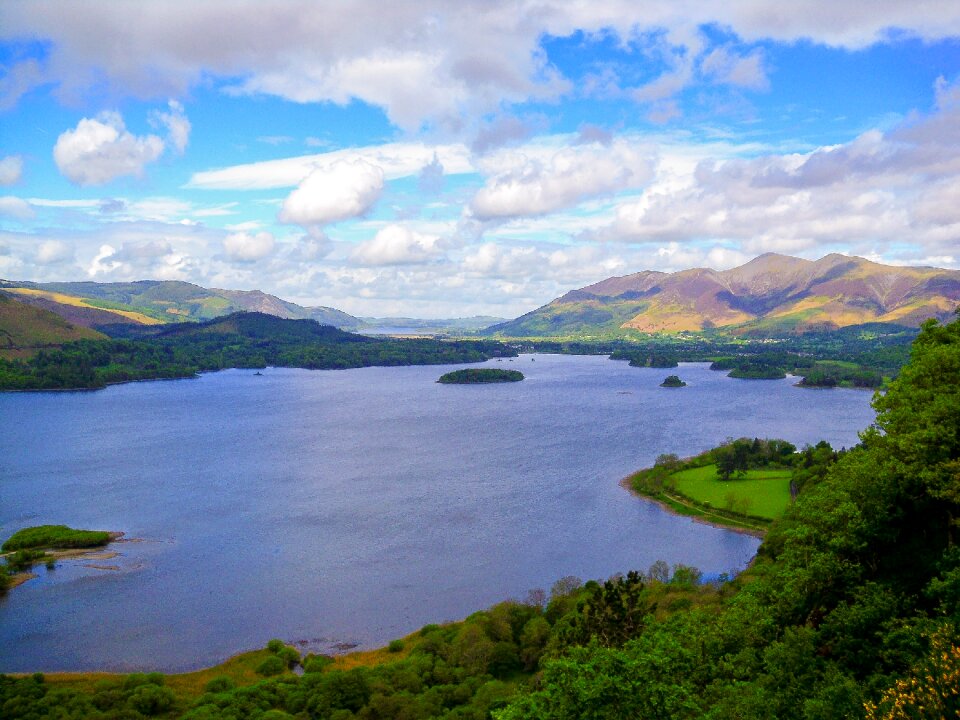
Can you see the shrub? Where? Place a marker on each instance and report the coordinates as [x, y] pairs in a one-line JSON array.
[[275, 646], [395, 646], [271, 666], [316, 663], [220, 684], [151, 699]]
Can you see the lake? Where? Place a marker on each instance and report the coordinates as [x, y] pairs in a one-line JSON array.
[[355, 506]]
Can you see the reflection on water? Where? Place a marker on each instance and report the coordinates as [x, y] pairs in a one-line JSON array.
[[355, 506]]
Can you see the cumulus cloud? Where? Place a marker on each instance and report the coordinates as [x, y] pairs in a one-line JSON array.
[[101, 149], [177, 125], [879, 191], [15, 208], [502, 131], [53, 252], [426, 62], [248, 247], [398, 245], [342, 190], [540, 186], [11, 169]]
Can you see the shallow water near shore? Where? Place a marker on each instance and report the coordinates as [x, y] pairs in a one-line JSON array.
[[354, 506]]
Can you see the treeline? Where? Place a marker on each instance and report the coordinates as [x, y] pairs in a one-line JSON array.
[[245, 340], [851, 357], [737, 456]]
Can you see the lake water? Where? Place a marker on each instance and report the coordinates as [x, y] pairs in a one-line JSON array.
[[355, 506]]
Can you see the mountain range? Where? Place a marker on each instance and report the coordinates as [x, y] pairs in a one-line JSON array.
[[771, 294], [149, 302]]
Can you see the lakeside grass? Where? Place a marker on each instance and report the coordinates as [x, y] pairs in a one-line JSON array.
[[56, 537], [241, 669], [764, 493]]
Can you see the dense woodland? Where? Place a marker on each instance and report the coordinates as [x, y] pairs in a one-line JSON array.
[[242, 340], [851, 609], [864, 356]]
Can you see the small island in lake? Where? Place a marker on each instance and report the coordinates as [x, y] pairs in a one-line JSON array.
[[46, 544], [480, 375], [673, 381]]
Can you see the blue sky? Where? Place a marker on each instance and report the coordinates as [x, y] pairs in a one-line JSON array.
[[443, 159]]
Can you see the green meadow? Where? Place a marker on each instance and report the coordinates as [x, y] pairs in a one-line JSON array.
[[763, 493]]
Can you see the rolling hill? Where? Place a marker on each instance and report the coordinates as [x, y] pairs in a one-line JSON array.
[[147, 302], [772, 294], [25, 328]]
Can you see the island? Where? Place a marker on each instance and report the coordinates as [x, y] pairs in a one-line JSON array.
[[480, 375], [47, 544], [673, 381]]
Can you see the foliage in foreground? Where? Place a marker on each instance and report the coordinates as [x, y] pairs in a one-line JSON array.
[[851, 609]]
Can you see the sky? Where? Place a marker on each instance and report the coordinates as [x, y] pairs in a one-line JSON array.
[[431, 158]]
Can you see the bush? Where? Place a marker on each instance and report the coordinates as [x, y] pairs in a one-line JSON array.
[[271, 666], [220, 684], [395, 646], [316, 663], [151, 699], [290, 656], [275, 646]]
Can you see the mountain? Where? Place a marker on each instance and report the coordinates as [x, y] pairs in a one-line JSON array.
[[255, 325], [770, 294], [25, 328], [148, 302], [421, 326]]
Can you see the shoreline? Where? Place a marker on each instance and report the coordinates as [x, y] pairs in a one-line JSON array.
[[98, 552], [755, 532]]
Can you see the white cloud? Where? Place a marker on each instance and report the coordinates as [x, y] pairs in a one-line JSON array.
[[725, 66], [396, 160], [398, 245], [880, 192], [11, 169], [16, 208], [99, 150], [426, 62], [536, 187], [53, 252], [342, 190], [247, 247], [177, 125]]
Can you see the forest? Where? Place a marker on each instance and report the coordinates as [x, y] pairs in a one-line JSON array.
[[850, 609], [241, 340]]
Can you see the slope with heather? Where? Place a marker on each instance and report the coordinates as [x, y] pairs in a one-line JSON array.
[[770, 295]]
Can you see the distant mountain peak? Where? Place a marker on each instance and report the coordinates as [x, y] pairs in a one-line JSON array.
[[771, 293]]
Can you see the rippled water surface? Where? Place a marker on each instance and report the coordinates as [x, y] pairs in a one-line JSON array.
[[356, 506]]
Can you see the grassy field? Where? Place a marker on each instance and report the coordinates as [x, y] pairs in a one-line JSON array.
[[765, 493]]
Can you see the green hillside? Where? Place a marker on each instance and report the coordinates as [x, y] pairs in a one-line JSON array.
[[145, 302], [26, 328]]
